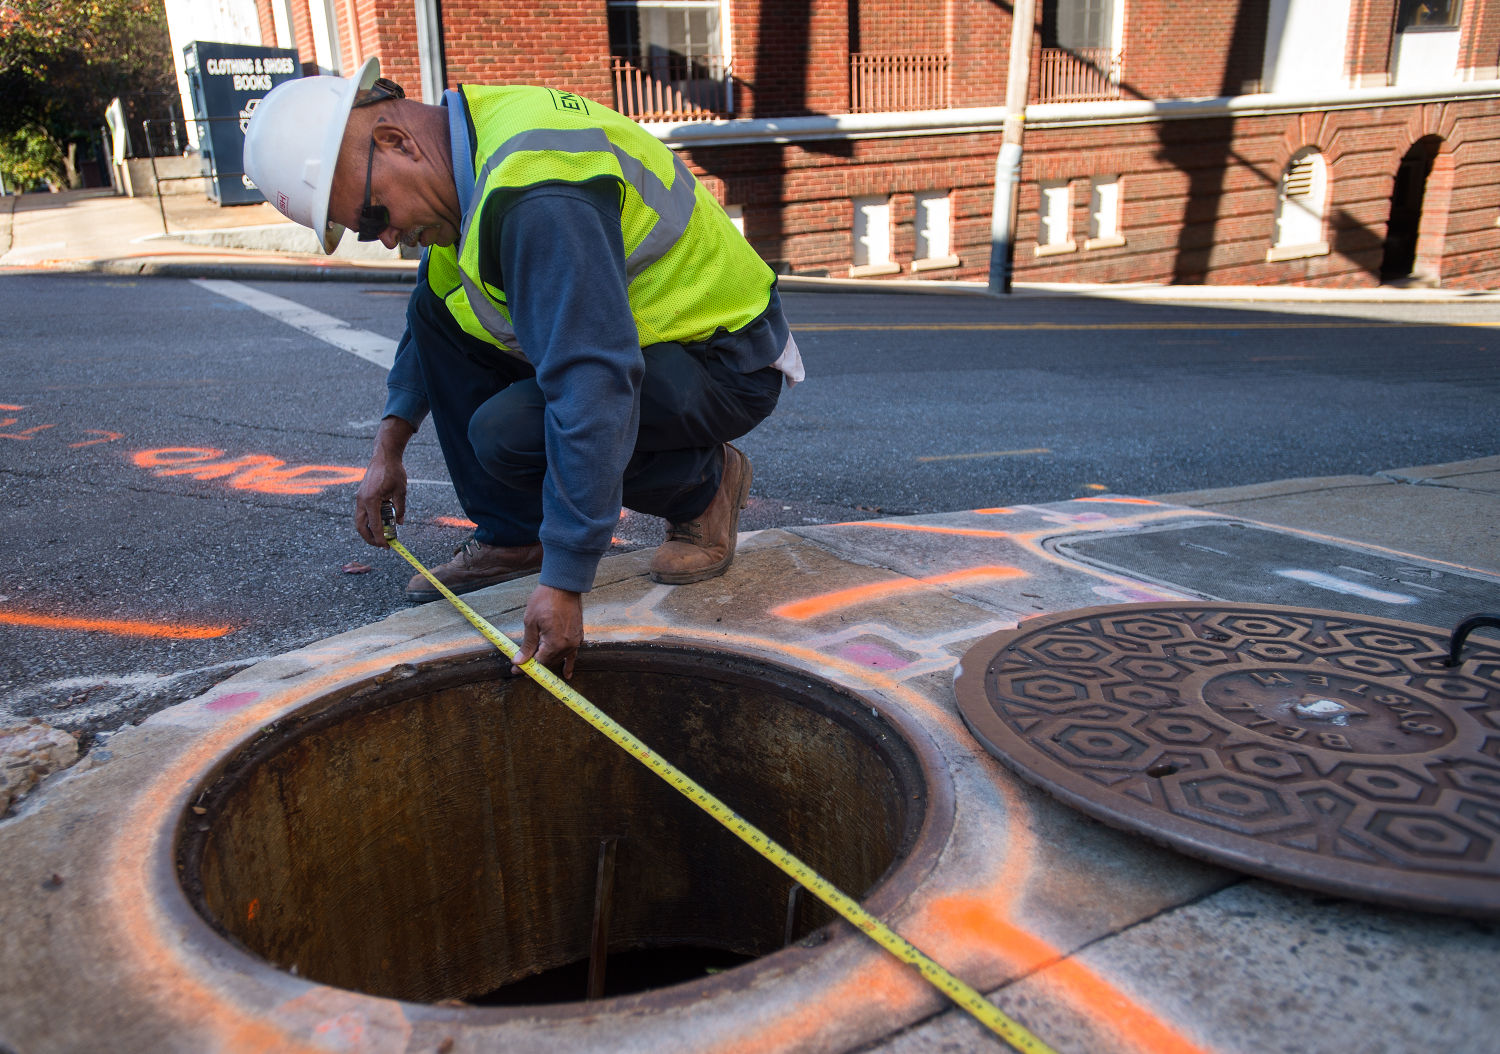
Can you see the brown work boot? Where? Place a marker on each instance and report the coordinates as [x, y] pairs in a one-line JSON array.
[[703, 548], [476, 565]]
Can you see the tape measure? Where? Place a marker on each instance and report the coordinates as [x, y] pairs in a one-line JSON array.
[[983, 1011]]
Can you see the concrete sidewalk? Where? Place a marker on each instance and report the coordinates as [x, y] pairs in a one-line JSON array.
[[177, 235]]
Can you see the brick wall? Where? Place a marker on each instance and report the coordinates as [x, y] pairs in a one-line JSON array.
[[561, 43], [798, 200], [978, 43], [1199, 197], [267, 23], [1372, 26], [888, 27], [302, 31], [389, 32], [1182, 49], [1479, 48], [791, 57]]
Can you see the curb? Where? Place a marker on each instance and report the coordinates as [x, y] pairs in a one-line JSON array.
[[245, 270], [405, 271]]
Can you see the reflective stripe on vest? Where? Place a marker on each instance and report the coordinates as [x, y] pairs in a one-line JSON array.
[[688, 273], [673, 205]]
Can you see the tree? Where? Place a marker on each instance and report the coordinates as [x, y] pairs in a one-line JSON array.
[[61, 62]]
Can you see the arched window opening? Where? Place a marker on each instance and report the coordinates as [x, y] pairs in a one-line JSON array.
[[1300, 203]]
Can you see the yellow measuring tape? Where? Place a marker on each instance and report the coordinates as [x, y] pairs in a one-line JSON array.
[[985, 1012]]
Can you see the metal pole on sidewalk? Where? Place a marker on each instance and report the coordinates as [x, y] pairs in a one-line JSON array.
[[1008, 164]]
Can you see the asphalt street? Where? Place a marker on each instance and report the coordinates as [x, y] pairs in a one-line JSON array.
[[178, 466]]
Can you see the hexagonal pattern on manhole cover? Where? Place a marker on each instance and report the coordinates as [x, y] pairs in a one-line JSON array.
[[1320, 748]]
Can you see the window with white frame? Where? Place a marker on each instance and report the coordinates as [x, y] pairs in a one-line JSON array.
[[934, 225], [1104, 213], [872, 236], [736, 214], [668, 57], [1302, 197], [1057, 218]]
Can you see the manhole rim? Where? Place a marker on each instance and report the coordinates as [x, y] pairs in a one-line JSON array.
[[202, 940], [1360, 881]]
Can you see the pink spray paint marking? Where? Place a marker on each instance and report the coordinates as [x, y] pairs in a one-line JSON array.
[[873, 656], [232, 701]]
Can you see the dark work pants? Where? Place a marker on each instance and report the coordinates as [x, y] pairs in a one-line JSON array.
[[488, 413]]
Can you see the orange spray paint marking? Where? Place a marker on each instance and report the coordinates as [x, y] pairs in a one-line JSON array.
[[22, 435], [995, 512], [828, 602], [253, 910], [917, 528], [305, 479], [1080, 985], [258, 472], [454, 521], [193, 465], [109, 437], [119, 627], [11, 406]]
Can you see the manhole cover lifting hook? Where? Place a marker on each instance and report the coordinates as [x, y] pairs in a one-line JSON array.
[[1461, 633]]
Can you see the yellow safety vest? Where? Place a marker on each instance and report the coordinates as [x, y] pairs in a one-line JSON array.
[[690, 273]]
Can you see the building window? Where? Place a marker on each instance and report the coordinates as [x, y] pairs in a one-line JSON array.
[[1104, 213], [1057, 219], [872, 237], [1299, 208], [325, 31], [934, 223], [667, 57], [1075, 24], [1080, 58], [1428, 14], [736, 214]]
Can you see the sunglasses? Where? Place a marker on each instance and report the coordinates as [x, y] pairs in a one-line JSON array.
[[375, 218]]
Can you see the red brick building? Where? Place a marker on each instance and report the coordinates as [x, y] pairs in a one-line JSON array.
[[1308, 142]]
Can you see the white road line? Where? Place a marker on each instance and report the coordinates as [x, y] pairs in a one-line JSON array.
[[371, 347], [1334, 584]]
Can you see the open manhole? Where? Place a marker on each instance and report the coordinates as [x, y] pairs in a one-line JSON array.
[[456, 834], [1327, 749]]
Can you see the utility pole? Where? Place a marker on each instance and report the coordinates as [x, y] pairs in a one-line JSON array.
[[1008, 164]]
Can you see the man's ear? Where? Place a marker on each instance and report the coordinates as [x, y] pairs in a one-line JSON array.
[[391, 136]]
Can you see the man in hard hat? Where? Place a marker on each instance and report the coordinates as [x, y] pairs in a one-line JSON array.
[[589, 331]]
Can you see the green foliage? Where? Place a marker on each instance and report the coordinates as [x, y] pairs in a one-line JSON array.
[[28, 156], [61, 61]]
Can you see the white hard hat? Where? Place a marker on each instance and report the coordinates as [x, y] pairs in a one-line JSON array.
[[292, 145]]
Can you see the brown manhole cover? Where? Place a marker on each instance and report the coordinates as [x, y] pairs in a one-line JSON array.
[[1319, 748], [451, 833]]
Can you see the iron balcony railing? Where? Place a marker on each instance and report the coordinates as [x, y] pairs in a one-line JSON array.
[[883, 83], [672, 87], [1079, 75]]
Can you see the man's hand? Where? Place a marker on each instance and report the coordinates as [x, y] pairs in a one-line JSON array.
[[385, 480], [554, 628]]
